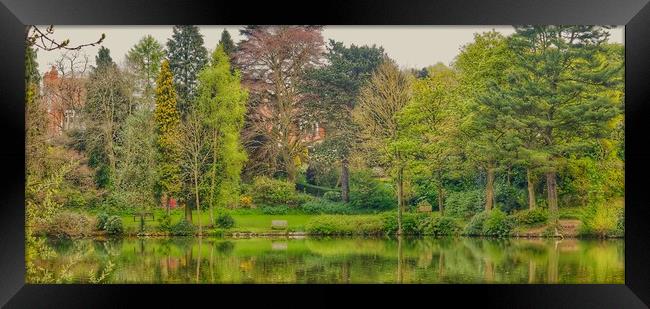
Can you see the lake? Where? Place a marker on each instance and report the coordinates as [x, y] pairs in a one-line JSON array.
[[338, 260]]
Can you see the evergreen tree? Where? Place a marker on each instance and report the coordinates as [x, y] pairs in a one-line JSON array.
[[222, 102], [167, 122], [187, 57], [145, 59], [336, 87], [557, 91], [227, 43]]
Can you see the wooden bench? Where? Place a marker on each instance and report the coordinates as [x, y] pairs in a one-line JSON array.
[[279, 224], [144, 215]]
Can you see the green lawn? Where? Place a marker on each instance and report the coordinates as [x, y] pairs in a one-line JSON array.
[[243, 222]]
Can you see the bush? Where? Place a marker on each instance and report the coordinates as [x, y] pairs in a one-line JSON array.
[[411, 223], [602, 220], [275, 210], [246, 201], [322, 206], [464, 204], [101, 220], [113, 225], [165, 222], [183, 228], [475, 225], [273, 192], [510, 198], [445, 226], [69, 225], [333, 196], [497, 224], [531, 217], [345, 225], [370, 193], [75, 200], [225, 221]]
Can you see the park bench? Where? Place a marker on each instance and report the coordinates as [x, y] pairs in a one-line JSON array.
[[279, 224], [144, 215]]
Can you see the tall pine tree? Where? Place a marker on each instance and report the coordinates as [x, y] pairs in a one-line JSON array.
[[167, 120], [187, 57]]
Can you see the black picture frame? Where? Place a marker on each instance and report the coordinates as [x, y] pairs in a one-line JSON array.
[[634, 14]]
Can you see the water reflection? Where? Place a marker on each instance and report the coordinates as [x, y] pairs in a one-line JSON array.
[[341, 260]]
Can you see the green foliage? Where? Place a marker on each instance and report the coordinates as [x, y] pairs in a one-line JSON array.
[[439, 226], [345, 225], [165, 222], [145, 59], [114, 226], [167, 120], [225, 220], [475, 225], [411, 223], [497, 224], [531, 217], [273, 192], [187, 56], [603, 219], [464, 204], [510, 198], [183, 228], [323, 206], [314, 189], [101, 220], [69, 225], [333, 196], [370, 193]]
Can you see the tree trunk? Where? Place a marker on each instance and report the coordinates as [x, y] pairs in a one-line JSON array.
[[188, 212], [345, 180], [531, 189], [440, 200], [198, 205], [214, 175], [551, 186], [400, 199], [489, 188]]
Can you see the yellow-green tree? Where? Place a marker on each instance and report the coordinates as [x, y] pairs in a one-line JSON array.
[[167, 119], [222, 103]]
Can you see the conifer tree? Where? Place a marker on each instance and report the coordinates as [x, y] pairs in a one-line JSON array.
[[167, 120], [187, 57], [227, 43]]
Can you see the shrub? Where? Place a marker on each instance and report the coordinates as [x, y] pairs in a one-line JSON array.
[[475, 225], [75, 200], [370, 193], [464, 204], [273, 192], [345, 225], [246, 201], [497, 224], [275, 210], [225, 221], [165, 222], [602, 219], [411, 223], [183, 228], [69, 225], [115, 202], [113, 225], [101, 220], [530, 217], [445, 226], [322, 206], [333, 196]]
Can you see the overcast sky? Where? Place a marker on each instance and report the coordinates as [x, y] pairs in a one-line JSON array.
[[410, 46]]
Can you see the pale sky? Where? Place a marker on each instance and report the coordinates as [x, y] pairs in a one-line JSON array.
[[410, 46]]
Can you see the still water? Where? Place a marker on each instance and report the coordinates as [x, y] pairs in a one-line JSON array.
[[339, 260]]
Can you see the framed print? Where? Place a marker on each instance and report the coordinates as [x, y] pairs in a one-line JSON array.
[[174, 151]]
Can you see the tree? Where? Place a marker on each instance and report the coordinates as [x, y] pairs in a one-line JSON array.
[[481, 64], [167, 119], [558, 84], [227, 44], [107, 106], [273, 60], [222, 103], [42, 38], [380, 102], [187, 57], [335, 88], [194, 152], [145, 58], [431, 122]]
